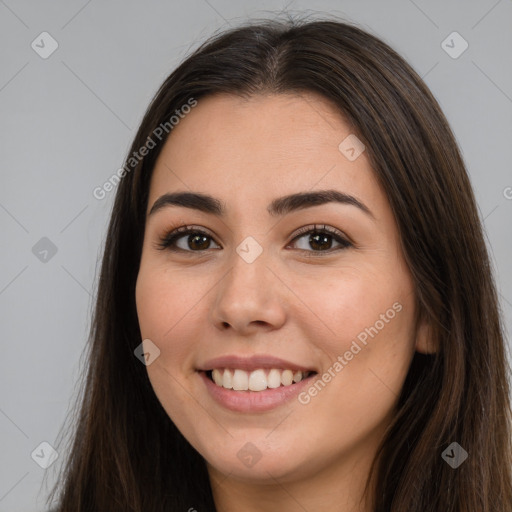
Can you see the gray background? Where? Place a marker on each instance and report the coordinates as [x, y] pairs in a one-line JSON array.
[[68, 120]]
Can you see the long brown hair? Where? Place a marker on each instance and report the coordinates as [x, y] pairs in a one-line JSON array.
[[125, 453]]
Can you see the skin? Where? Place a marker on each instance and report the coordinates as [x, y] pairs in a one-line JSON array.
[[198, 305]]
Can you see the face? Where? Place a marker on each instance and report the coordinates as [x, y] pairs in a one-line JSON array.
[[270, 292]]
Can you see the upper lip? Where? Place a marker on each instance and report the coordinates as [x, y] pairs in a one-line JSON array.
[[255, 362]]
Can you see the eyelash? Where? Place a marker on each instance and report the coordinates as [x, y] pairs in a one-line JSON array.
[[167, 242]]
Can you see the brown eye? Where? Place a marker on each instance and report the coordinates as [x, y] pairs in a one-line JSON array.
[[186, 239], [197, 242], [321, 239]]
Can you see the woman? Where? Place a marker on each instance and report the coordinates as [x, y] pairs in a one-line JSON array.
[[295, 308]]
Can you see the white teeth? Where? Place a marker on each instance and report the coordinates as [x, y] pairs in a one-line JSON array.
[[227, 379], [217, 377], [287, 378], [240, 380], [274, 378], [257, 380]]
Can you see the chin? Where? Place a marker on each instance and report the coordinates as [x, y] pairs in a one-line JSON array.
[[258, 460]]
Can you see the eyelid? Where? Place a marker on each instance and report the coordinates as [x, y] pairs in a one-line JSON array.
[[172, 234], [322, 228]]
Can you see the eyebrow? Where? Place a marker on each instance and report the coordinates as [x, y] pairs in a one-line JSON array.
[[277, 208]]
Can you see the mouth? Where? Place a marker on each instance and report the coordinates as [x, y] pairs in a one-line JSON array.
[[258, 380], [254, 391], [257, 383]]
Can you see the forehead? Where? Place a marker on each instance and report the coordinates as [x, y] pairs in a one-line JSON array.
[[244, 150]]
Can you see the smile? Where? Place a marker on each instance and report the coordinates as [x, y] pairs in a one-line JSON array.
[[253, 384]]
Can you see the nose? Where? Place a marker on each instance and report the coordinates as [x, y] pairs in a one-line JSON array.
[[249, 298]]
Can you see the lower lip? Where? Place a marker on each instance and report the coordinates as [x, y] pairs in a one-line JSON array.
[[253, 401]]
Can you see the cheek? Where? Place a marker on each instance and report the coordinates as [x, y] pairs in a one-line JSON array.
[[368, 324], [162, 299], [354, 303], [164, 308], [369, 352]]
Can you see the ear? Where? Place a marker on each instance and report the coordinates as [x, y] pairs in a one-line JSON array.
[[426, 341]]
